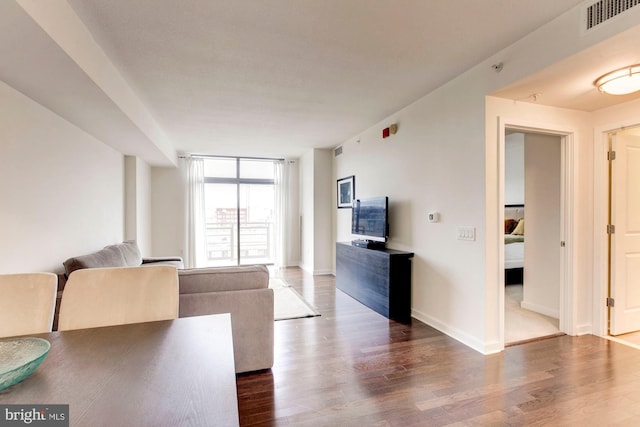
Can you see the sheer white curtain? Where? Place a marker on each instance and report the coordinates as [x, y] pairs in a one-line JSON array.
[[282, 190], [195, 239]]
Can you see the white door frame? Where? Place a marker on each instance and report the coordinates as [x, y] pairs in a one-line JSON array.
[[568, 300], [600, 221]]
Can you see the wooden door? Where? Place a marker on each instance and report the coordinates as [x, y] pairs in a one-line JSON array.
[[625, 239]]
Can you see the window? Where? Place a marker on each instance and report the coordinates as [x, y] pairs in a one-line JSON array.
[[239, 211]]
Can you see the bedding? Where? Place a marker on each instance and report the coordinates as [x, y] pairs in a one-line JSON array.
[[514, 255], [514, 238]]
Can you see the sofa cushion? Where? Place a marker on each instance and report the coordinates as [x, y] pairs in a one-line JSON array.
[[130, 252], [125, 254], [215, 279], [110, 256]]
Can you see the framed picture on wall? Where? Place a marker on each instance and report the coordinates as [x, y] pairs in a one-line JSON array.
[[346, 191]]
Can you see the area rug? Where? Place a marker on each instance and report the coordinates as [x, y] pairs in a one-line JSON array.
[[288, 304]]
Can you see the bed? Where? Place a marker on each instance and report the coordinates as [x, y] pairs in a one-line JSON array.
[[513, 244]]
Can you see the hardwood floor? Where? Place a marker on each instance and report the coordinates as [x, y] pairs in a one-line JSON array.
[[353, 367]]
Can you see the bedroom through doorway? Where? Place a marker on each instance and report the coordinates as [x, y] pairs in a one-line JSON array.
[[533, 271]]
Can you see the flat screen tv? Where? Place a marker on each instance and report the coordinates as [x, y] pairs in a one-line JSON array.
[[369, 219]]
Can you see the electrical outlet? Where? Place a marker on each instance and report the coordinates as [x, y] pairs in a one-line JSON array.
[[466, 233]]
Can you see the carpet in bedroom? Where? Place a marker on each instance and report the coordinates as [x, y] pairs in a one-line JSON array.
[[521, 324], [288, 304]]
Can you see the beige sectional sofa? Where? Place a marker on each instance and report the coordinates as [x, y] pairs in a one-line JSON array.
[[242, 291]]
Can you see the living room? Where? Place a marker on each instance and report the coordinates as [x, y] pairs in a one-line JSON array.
[[68, 191]]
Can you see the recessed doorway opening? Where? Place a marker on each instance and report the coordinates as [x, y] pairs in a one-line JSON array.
[[539, 302], [532, 190]]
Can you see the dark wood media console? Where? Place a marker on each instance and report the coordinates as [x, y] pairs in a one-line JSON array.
[[378, 278]]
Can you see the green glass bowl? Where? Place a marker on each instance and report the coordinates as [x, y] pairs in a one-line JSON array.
[[19, 357]]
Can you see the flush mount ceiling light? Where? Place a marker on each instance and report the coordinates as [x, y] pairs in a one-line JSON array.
[[620, 82]]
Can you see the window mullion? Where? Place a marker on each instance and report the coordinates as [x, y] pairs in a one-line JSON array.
[[238, 205]]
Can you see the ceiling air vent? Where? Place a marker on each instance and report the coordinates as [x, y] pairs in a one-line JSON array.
[[604, 10], [338, 150]]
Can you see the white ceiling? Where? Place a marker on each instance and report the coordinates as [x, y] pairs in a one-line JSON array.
[[570, 83], [276, 78]]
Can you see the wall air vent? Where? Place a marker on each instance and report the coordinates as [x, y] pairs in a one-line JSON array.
[[338, 150], [603, 10]]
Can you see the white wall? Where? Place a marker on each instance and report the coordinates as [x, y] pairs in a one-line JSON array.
[[435, 163], [143, 203], [62, 190], [324, 205], [168, 205], [316, 207], [542, 157], [549, 44], [65, 28], [618, 117], [292, 220], [138, 225], [514, 169], [306, 212], [579, 124], [590, 256], [130, 222]]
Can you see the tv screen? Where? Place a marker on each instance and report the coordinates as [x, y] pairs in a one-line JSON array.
[[369, 219]]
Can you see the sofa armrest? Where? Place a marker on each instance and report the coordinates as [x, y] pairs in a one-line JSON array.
[[146, 260], [252, 322], [216, 279], [175, 261]]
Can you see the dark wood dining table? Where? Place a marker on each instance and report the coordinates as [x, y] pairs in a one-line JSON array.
[[167, 373]]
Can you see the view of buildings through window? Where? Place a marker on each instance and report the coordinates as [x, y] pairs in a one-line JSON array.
[[239, 211]]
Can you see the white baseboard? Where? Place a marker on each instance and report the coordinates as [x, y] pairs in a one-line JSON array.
[[304, 267], [540, 309], [584, 329], [457, 334], [317, 272], [323, 272]]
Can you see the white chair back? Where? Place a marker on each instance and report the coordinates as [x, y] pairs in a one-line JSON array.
[[96, 297], [27, 303]]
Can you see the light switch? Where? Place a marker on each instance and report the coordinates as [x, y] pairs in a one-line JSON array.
[[466, 233]]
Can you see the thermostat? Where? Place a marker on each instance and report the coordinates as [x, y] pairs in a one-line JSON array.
[[433, 217]]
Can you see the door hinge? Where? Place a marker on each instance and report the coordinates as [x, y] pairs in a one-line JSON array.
[[611, 302], [562, 244], [611, 229], [611, 155]]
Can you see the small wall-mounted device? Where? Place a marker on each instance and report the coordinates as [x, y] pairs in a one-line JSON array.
[[391, 130], [433, 217]]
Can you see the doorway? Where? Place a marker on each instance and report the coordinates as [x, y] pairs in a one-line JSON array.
[[532, 190], [567, 309]]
